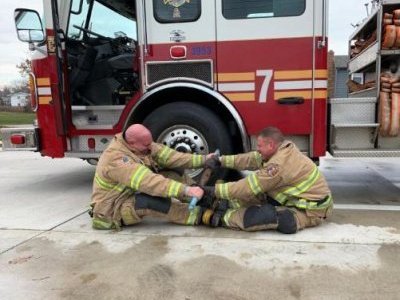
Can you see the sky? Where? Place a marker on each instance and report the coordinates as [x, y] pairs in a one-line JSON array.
[[342, 13]]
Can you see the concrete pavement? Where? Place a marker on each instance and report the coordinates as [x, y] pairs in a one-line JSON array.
[[49, 251]]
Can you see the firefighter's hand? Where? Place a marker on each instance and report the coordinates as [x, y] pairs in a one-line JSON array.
[[194, 191], [210, 155], [212, 162]]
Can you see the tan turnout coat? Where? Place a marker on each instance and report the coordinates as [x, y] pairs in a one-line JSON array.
[[121, 173], [288, 176]]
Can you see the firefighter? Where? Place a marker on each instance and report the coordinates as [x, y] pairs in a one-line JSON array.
[[127, 186], [287, 192]]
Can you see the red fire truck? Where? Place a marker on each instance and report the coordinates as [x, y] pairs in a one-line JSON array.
[[201, 75]]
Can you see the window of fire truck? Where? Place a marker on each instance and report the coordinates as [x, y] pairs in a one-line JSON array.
[[101, 52], [96, 17], [175, 11], [249, 9]]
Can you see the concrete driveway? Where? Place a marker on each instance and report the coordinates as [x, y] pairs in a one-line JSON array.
[[49, 251]]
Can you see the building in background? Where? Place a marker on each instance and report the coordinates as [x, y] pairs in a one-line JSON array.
[[19, 99], [5, 100], [341, 76]]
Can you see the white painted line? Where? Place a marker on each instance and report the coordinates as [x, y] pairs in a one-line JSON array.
[[367, 207], [236, 87], [299, 84]]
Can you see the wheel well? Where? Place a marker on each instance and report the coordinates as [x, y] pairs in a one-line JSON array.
[[186, 94]]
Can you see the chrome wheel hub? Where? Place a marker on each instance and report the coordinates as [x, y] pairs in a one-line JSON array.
[[185, 139]]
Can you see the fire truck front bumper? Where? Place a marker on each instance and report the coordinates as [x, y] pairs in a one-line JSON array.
[[20, 139]]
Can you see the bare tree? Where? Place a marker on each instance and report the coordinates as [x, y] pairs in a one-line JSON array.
[[24, 67]]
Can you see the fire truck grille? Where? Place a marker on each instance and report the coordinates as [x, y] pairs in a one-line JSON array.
[[197, 70]]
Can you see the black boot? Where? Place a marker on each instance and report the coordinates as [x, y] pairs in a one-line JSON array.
[[219, 212]]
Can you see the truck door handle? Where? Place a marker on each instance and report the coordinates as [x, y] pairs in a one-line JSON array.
[[291, 100]]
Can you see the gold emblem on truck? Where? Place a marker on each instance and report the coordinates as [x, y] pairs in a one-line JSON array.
[[51, 45], [176, 4]]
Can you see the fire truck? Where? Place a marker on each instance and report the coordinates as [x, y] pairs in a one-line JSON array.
[[201, 75]]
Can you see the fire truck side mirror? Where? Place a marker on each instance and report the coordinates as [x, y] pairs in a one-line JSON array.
[[29, 26]]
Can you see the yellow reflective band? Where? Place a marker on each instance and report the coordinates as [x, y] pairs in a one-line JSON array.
[[301, 203], [108, 186], [137, 177], [310, 205], [164, 155], [258, 158], [103, 184], [197, 160], [45, 100], [234, 203], [43, 81], [300, 188], [254, 184], [100, 224], [239, 97], [223, 191], [173, 189], [227, 216], [192, 218], [243, 76], [120, 187], [229, 161], [218, 188]]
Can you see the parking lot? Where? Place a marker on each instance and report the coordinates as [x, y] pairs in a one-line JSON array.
[[48, 249]]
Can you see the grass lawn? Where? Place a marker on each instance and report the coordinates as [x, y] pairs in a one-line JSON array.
[[16, 118]]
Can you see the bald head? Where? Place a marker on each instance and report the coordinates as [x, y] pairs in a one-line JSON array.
[[138, 138]]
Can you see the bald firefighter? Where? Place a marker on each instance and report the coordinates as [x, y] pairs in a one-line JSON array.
[[127, 186], [287, 192]]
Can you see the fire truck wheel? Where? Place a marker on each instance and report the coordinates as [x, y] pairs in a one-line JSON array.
[[190, 128]]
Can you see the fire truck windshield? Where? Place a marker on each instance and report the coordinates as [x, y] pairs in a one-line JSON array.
[[101, 52], [94, 17]]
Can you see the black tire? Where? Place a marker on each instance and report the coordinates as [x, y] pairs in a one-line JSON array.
[[190, 115]]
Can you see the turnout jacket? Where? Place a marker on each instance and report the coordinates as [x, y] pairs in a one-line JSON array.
[[121, 172], [288, 176]]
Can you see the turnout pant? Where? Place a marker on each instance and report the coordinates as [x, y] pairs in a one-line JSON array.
[[266, 216], [142, 205]]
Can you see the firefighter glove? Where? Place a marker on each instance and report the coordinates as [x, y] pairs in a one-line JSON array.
[[213, 163], [209, 190], [208, 197]]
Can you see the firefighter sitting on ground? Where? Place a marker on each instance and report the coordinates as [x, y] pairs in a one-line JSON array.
[[287, 192], [126, 185]]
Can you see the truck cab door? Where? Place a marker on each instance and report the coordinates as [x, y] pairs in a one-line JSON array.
[[178, 41]]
